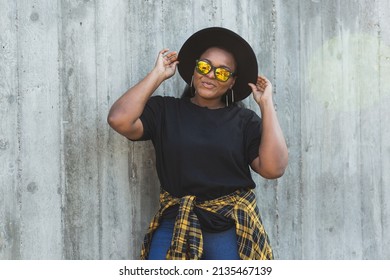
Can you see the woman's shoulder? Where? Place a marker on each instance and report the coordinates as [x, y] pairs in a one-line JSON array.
[[163, 98], [247, 113], [163, 101]]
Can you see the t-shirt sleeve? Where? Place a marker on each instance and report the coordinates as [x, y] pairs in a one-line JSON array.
[[151, 116], [253, 136]]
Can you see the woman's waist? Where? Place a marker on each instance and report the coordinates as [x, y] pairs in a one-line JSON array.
[[209, 221]]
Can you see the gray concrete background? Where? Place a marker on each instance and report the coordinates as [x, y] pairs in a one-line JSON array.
[[71, 188]]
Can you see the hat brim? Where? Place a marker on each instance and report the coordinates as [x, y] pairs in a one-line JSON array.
[[245, 57]]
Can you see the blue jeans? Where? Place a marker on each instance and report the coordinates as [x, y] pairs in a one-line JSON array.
[[216, 246]]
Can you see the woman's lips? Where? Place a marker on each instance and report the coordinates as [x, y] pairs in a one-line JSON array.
[[208, 85]]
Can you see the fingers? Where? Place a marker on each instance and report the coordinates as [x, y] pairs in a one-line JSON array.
[[163, 51], [262, 82], [253, 87], [168, 57]]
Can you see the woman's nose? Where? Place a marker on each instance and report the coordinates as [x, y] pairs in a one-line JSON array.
[[211, 74]]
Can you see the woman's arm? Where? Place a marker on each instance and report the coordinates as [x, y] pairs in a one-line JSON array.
[[125, 112], [273, 154]]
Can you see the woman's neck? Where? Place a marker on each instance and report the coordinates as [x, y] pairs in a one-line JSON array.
[[210, 104]]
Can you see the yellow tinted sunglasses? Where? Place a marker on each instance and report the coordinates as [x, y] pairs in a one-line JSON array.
[[204, 67]]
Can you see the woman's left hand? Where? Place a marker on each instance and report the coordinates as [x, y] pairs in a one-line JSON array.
[[273, 154], [262, 91]]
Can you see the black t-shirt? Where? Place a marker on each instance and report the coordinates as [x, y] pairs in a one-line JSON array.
[[200, 151]]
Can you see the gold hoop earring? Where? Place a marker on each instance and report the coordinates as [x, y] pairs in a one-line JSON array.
[[227, 98]]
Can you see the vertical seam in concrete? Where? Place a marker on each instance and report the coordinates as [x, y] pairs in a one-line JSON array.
[[359, 153], [61, 125], [302, 148], [274, 46], [300, 199], [19, 136], [99, 165], [383, 218], [340, 28]]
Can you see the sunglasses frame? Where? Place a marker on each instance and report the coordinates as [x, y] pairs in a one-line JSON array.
[[213, 68]]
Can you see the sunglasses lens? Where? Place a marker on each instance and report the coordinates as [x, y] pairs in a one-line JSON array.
[[222, 74], [203, 67]]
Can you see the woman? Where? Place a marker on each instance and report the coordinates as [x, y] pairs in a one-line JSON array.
[[204, 146]]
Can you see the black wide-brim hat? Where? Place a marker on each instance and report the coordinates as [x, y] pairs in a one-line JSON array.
[[226, 39]]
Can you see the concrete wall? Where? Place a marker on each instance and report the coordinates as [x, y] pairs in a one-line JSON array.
[[71, 188]]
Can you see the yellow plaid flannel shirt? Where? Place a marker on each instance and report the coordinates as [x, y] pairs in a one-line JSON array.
[[187, 240]]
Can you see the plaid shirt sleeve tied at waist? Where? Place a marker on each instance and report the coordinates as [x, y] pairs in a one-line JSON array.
[[187, 240]]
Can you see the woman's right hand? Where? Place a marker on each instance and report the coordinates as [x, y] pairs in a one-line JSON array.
[[166, 63]]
